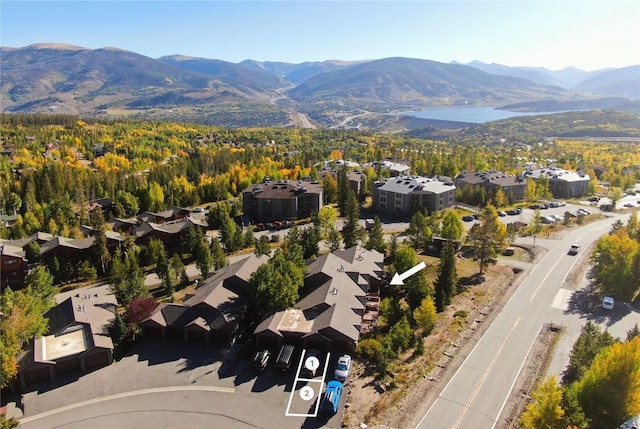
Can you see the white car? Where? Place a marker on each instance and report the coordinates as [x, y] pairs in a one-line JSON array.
[[342, 368], [607, 303]]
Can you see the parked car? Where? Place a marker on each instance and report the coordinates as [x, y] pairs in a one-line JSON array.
[[342, 368], [261, 360], [285, 358], [331, 397], [311, 363], [608, 303], [467, 218], [501, 213]]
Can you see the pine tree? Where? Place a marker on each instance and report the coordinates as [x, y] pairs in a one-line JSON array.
[[447, 280], [376, 239], [351, 230]]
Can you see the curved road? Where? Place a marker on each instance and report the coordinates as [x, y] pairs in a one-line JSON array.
[[477, 393]]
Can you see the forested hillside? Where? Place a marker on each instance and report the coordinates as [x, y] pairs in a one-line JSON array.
[[51, 165]]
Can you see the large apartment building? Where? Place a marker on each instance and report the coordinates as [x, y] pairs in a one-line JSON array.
[[562, 183], [514, 187], [407, 194], [281, 200]]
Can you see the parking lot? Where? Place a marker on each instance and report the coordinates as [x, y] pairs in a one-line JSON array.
[[226, 376]]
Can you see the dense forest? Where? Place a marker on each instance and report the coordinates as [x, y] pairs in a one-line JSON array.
[[53, 165], [52, 168]]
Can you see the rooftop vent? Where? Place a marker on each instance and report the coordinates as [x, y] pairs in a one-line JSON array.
[[334, 291]]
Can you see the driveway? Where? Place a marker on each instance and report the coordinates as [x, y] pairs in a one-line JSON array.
[[158, 383]]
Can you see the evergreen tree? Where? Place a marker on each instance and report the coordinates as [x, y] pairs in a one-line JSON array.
[[416, 287], [219, 258], [376, 239], [344, 192], [309, 240], [590, 342], [445, 285], [609, 391], [351, 230], [489, 236], [419, 232], [262, 246], [334, 238]]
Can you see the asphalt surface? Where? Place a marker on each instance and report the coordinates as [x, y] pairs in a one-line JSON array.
[[477, 393]]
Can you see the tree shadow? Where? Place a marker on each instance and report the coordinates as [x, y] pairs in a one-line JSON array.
[[587, 304]]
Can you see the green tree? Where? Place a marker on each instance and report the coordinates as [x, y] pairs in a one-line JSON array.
[[330, 189], [344, 193], [425, 315], [219, 258], [326, 219], [452, 226], [201, 253], [536, 221], [633, 333], [277, 282], [499, 199], [590, 342], [447, 280], [545, 409], [400, 336], [609, 391], [419, 232], [351, 230], [489, 236], [262, 246], [615, 194], [119, 330], [369, 350], [128, 203], [127, 278], [40, 283], [309, 239], [416, 287], [390, 311], [333, 240], [376, 239], [101, 250], [614, 265]]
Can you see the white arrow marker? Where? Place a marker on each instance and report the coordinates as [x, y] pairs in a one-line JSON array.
[[398, 278]]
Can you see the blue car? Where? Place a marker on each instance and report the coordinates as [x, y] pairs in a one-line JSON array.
[[331, 397]]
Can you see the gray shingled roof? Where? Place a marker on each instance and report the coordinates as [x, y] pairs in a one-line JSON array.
[[493, 177], [409, 184], [554, 173]]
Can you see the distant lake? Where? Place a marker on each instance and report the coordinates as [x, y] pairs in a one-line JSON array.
[[472, 114]]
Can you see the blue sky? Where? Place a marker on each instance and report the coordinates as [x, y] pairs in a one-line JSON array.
[[548, 33]]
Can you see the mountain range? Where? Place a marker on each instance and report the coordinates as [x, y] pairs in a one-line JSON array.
[[60, 78]]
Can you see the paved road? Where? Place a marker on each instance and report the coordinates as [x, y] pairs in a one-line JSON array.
[[476, 394]]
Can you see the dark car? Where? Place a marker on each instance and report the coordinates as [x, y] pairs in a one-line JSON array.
[[467, 218], [311, 363], [286, 358], [261, 360]]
